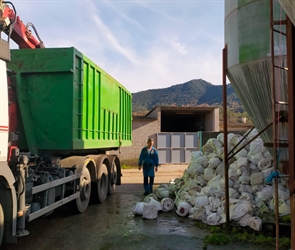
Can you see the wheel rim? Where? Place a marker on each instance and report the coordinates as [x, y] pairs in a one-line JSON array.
[[103, 182], [114, 174], [85, 191], [85, 188]]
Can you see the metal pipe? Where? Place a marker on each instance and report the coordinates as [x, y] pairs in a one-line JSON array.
[[290, 78], [225, 146], [21, 213], [273, 100], [268, 126], [245, 135]]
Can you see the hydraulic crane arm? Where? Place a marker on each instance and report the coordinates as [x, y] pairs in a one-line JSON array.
[[14, 28]]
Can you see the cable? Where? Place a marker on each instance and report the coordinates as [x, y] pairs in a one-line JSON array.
[[29, 24], [13, 22]]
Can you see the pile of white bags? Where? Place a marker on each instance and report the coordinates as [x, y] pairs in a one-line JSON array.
[[150, 206], [200, 193]]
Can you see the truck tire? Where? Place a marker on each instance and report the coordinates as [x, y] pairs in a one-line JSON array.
[[1, 224], [113, 176], [102, 183], [85, 191]]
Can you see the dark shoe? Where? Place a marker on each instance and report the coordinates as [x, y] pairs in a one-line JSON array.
[[146, 193]]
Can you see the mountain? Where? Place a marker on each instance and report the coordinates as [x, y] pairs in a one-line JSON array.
[[191, 93]]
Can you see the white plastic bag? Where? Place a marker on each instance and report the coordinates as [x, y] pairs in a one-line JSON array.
[[138, 208], [150, 211], [154, 202]]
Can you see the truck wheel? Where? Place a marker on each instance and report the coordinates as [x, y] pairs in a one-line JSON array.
[[1, 224], [113, 178], [85, 191], [102, 183]]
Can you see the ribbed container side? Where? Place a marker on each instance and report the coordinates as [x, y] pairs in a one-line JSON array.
[[289, 8], [247, 36], [67, 103]]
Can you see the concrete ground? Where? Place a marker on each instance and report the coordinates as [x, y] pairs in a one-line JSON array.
[[112, 224]]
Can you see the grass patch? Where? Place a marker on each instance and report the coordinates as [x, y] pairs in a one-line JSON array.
[[286, 219], [220, 235], [128, 167], [129, 164]]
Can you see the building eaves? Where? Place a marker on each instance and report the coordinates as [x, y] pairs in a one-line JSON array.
[[183, 109], [237, 124], [143, 118]]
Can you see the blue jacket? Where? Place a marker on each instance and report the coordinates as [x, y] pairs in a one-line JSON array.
[[148, 158]]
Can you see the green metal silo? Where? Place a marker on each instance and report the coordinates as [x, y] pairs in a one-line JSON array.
[[248, 41], [289, 7]]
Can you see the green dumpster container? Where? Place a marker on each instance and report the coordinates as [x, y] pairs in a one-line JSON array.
[[67, 104]]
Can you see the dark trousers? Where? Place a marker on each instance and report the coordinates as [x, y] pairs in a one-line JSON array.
[[148, 186]]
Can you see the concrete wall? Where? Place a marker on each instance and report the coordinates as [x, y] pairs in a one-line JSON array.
[[212, 120], [141, 131]]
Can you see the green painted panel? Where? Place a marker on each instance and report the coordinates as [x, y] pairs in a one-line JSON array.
[[68, 103]]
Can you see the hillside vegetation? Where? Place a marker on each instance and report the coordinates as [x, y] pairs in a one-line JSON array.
[[192, 93]]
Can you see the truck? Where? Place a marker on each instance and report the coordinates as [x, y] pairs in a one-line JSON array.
[[61, 118]]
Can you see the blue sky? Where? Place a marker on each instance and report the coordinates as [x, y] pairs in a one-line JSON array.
[[142, 44]]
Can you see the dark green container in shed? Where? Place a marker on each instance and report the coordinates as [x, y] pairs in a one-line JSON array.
[[68, 104]]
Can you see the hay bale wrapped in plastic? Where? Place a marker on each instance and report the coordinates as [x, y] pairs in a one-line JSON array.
[[257, 178], [256, 147], [198, 213], [208, 174], [220, 137], [150, 211], [214, 203], [183, 208], [200, 181], [203, 161], [266, 193], [207, 149], [138, 208], [255, 158], [148, 197], [260, 206], [242, 153], [200, 201], [214, 162], [239, 209], [215, 182], [246, 179], [162, 193], [233, 193], [284, 208], [167, 204], [245, 220], [154, 202], [264, 163], [213, 219], [255, 223]]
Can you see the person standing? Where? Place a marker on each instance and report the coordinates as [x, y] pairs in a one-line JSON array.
[[149, 160]]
